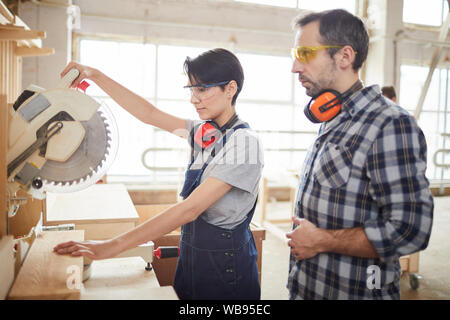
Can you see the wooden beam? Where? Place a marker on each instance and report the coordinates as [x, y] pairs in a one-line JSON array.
[[6, 265], [3, 145], [18, 34], [5, 13], [27, 52], [47, 275]]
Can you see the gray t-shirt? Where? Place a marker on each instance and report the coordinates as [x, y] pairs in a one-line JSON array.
[[239, 163]]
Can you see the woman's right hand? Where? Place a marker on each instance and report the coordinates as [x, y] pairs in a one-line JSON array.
[[85, 72], [94, 250]]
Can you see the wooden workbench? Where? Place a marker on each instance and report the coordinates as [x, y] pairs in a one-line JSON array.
[[124, 279]]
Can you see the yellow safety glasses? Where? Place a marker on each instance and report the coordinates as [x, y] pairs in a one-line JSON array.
[[305, 54]]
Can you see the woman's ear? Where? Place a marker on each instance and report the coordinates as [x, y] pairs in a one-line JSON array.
[[231, 88]]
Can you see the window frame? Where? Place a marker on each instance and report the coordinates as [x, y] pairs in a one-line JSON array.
[[291, 102]]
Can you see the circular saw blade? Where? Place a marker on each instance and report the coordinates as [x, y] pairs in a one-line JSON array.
[[90, 161]]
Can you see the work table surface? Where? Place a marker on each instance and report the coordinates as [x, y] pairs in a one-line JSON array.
[[124, 279]]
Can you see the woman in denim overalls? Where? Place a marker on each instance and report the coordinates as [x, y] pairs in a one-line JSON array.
[[215, 262]]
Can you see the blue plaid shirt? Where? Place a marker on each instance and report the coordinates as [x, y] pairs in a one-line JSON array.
[[365, 169]]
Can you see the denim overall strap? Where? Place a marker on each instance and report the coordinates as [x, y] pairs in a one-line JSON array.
[[193, 177]]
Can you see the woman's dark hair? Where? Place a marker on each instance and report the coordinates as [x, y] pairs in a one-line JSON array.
[[215, 66], [339, 27]]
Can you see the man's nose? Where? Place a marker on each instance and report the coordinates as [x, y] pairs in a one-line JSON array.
[[297, 67]]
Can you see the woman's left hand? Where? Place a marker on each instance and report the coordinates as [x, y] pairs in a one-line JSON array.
[[94, 250]]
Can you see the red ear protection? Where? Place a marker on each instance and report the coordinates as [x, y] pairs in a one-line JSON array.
[[324, 106], [206, 134]]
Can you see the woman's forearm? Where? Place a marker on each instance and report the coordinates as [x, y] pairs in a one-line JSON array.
[[188, 210], [156, 227], [136, 105]]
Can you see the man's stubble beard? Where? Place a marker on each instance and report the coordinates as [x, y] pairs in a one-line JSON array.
[[325, 80]]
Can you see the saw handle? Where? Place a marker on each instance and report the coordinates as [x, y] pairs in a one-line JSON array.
[[166, 252], [68, 78]]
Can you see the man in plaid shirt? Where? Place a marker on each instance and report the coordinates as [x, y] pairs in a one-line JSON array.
[[363, 199]]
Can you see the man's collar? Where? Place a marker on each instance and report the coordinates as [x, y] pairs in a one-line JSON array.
[[359, 99]]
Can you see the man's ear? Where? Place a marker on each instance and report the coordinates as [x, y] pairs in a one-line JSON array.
[[346, 57]]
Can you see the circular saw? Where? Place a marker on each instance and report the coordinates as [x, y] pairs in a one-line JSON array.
[[60, 140]]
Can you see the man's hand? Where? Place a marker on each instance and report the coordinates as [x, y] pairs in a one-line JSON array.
[[306, 240]]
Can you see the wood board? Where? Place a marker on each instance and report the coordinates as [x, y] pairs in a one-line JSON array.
[[47, 275], [100, 203], [6, 265], [3, 144], [124, 279], [153, 195]]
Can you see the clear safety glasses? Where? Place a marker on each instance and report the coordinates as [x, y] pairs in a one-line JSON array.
[[203, 91]]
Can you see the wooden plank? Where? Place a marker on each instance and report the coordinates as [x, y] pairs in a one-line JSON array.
[[104, 231], [47, 275], [5, 13], [124, 278], [26, 217], [27, 42], [100, 203], [413, 263], [3, 144], [158, 196], [9, 34], [6, 265], [28, 52], [404, 263]]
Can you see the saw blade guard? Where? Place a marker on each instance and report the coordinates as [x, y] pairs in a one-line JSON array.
[[91, 161]]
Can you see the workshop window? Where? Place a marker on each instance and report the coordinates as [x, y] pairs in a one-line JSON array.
[[312, 5], [429, 13], [434, 119], [272, 101]]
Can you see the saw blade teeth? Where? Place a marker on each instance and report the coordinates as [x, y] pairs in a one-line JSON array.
[[102, 142]]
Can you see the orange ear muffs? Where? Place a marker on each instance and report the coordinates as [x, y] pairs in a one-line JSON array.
[[324, 106], [206, 134]]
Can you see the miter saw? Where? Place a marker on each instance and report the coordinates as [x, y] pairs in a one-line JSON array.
[[60, 140]]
